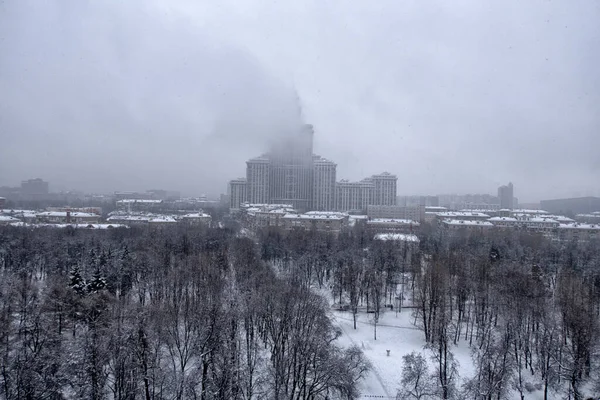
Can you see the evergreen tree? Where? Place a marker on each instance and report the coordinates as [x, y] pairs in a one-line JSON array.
[[76, 281]]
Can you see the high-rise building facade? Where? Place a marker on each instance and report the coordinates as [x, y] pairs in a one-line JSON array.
[[291, 174], [237, 193], [34, 187], [506, 196], [354, 196], [258, 174], [324, 173], [291, 170], [384, 193]]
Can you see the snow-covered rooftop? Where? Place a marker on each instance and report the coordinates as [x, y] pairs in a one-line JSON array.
[[403, 237], [527, 211], [59, 214], [592, 215], [336, 213], [162, 219], [541, 220], [196, 215], [132, 218], [462, 222], [19, 212], [7, 218], [314, 217], [451, 214], [560, 218], [141, 201], [392, 221], [595, 227], [76, 226], [504, 219]]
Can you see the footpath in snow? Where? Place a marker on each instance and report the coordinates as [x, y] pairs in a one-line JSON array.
[[396, 333]]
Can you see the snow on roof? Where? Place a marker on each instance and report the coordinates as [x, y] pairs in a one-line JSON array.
[[20, 212], [314, 217], [559, 218], [506, 219], [526, 211], [449, 214], [265, 206], [462, 222], [127, 201], [595, 227], [336, 213], [64, 214], [392, 221], [76, 226], [397, 236], [162, 219], [196, 215], [6, 218], [129, 218], [541, 219]]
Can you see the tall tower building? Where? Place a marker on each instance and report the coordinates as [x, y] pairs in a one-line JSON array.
[[237, 193], [291, 173], [257, 180], [506, 196], [384, 193], [323, 184]]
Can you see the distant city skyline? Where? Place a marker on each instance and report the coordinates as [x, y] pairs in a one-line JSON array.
[[57, 188], [116, 95]]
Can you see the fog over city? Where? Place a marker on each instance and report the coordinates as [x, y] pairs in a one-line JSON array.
[[452, 97]]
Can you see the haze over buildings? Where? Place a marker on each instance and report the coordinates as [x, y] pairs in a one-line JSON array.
[[106, 96], [289, 173]]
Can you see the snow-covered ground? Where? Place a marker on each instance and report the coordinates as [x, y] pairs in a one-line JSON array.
[[396, 333]]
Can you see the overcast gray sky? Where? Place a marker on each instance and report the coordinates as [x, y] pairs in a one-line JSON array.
[[452, 96]]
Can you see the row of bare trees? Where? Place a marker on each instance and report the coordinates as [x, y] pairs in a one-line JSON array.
[[169, 313], [528, 308]]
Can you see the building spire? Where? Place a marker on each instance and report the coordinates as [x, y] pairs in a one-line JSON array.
[[298, 104]]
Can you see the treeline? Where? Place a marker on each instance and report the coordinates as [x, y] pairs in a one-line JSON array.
[[171, 313], [528, 307], [205, 313]]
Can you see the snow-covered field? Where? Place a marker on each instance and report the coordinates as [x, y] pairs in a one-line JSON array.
[[396, 333]]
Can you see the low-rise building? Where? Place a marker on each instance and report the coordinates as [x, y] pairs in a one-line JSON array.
[[392, 225], [327, 222], [67, 217], [577, 231], [198, 218], [138, 204], [591, 218], [414, 213], [523, 221], [462, 216], [90, 210], [28, 216], [453, 226], [262, 215]]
